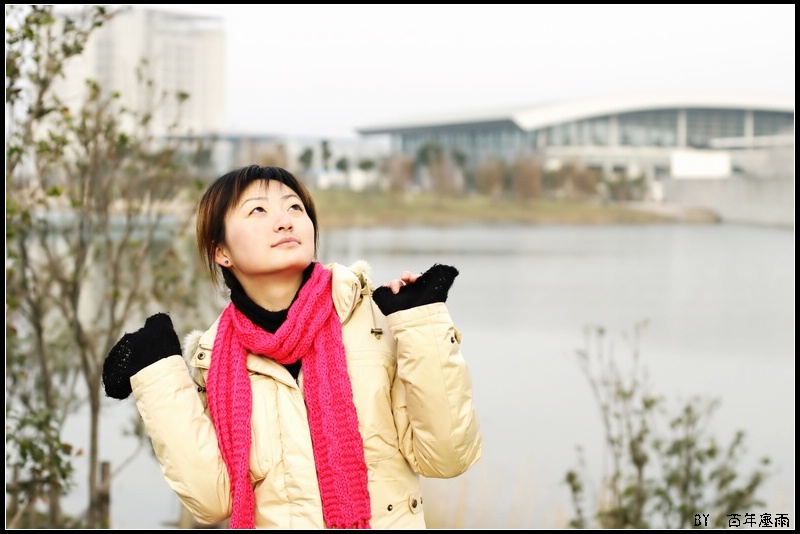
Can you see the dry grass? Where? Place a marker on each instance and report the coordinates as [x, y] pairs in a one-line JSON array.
[[340, 208], [487, 498]]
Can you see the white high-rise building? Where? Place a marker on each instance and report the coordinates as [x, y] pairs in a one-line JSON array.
[[184, 54]]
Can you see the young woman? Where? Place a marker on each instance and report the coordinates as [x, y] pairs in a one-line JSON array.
[[315, 399]]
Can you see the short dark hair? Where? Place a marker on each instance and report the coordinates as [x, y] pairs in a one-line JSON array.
[[223, 195]]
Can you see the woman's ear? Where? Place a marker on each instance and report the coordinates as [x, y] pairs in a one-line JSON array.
[[221, 257]]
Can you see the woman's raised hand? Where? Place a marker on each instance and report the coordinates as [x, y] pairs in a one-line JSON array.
[[135, 351], [406, 278], [413, 289]]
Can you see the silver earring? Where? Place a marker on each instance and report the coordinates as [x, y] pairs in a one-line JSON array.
[[226, 262]]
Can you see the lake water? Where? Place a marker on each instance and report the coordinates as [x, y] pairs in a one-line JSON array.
[[718, 301]]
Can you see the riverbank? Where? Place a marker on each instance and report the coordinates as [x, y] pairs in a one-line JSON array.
[[338, 208]]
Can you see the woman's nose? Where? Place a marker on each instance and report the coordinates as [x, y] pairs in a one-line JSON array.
[[283, 221]]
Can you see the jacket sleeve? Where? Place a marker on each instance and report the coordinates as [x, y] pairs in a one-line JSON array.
[[183, 437], [432, 395]]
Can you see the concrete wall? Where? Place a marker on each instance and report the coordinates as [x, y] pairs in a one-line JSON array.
[[743, 199]]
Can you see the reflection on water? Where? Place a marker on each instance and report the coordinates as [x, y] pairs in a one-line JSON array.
[[720, 305]]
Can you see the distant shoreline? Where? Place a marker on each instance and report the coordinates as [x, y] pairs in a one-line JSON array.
[[339, 208]]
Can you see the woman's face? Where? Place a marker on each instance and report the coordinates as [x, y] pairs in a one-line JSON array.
[[267, 232]]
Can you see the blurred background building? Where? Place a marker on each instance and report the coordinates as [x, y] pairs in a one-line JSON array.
[[656, 136], [183, 54], [724, 151], [636, 132]]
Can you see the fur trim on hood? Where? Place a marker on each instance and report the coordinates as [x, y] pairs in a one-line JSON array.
[[361, 267], [191, 342]]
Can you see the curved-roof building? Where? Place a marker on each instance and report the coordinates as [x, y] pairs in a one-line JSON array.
[[636, 134]]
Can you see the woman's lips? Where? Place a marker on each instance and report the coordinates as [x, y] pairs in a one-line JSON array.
[[286, 241]]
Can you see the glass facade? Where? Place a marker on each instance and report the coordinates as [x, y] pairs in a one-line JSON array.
[[595, 132], [477, 144], [703, 125], [658, 128], [772, 123]]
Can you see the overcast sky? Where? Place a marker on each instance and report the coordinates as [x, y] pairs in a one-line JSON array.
[[325, 70]]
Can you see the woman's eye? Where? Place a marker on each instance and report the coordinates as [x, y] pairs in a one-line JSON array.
[[258, 209], [297, 207]]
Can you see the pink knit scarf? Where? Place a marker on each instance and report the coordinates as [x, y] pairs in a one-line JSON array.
[[312, 332]]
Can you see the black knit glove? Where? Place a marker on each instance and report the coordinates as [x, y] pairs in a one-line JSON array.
[[135, 351], [432, 286]]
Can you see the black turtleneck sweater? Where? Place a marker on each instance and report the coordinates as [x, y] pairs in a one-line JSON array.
[[268, 320]]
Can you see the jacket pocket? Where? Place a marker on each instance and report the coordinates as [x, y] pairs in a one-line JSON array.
[[264, 426], [371, 377]]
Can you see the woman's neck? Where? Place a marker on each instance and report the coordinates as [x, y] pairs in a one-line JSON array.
[[274, 292]]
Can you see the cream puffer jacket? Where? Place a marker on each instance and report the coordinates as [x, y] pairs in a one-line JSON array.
[[412, 393]]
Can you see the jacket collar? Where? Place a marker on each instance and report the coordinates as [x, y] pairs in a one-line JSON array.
[[348, 283]]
